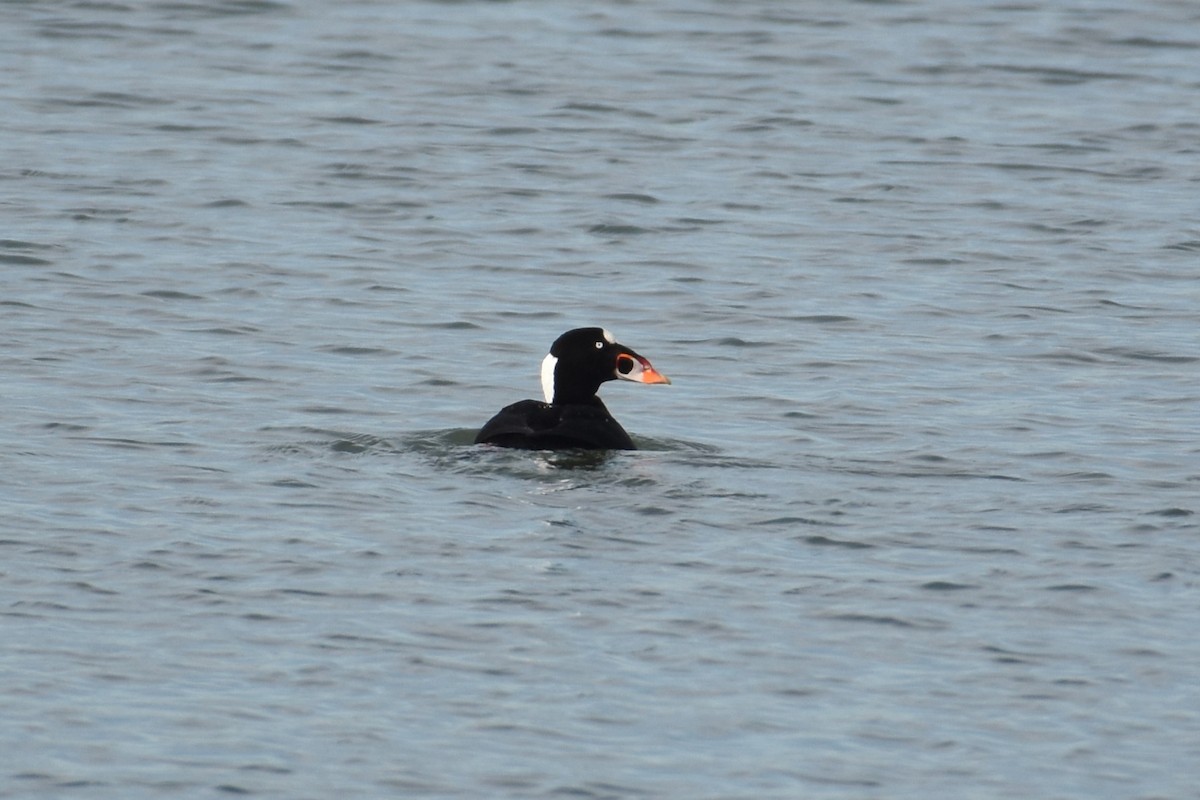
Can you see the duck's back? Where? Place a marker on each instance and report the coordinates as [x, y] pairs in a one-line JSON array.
[[533, 425]]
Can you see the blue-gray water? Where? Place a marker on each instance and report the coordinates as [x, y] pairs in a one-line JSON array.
[[918, 517]]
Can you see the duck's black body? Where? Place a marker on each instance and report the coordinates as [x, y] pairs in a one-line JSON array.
[[534, 425], [572, 416]]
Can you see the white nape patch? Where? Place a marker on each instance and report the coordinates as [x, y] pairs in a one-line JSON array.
[[548, 365], [608, 337]]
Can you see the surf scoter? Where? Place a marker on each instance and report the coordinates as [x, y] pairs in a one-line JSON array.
[[572, 416]]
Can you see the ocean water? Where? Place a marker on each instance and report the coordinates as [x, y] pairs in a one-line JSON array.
[[917, 518]]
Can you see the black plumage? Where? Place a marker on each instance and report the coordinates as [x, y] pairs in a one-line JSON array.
[[572, 416]]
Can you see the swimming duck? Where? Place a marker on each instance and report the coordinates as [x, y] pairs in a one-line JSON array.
[[572, 416]]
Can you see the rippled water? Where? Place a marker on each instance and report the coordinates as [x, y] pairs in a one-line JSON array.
[[916, 519]]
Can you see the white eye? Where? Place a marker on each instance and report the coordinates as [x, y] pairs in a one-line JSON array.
[[599, 345]]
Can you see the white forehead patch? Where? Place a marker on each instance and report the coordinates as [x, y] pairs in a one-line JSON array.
[[608, 337], [548, 365]]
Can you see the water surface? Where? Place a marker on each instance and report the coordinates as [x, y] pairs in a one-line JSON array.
[[916, 519]]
